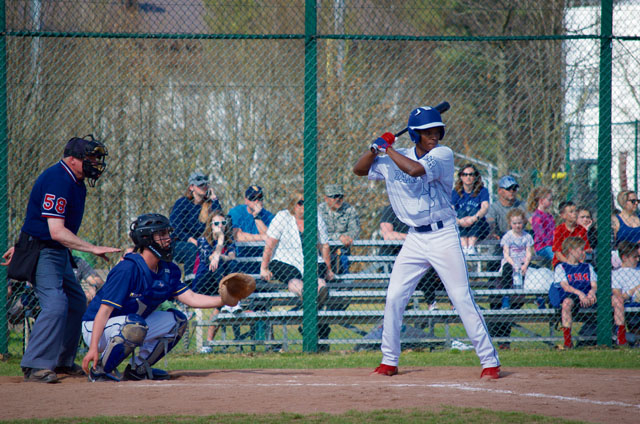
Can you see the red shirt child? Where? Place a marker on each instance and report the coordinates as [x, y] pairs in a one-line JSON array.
[[568, 228]]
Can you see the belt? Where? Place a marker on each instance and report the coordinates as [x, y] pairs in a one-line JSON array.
[[428, 228]]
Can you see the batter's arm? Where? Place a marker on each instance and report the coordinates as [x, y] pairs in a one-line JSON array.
[[362, 166], [408, 166]]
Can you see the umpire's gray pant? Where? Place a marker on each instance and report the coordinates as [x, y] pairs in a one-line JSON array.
[[55, 335]]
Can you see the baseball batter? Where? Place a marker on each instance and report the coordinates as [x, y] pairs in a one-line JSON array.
[[419, 183]]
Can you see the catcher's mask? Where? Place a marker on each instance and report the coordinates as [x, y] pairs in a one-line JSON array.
[[143, 229], [92, 152], [422, 118]]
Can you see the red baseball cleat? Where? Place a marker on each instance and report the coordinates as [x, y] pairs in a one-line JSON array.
[[492, 373], [387, 370]]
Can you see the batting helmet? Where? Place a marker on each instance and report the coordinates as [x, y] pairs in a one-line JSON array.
[[143, 229], [422, 118], [92, 152]]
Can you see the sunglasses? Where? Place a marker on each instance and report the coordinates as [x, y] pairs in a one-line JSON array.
[[300, 202], [216, 223], [512, 188], [634, 201], [467, 174], [336, 196]]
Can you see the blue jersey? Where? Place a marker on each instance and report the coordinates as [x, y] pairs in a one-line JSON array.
[[578, 276], [242, 219], [132, 288], [467, 205], [57, 193]]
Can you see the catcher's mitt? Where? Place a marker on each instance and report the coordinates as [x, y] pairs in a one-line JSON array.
[[235, 287]]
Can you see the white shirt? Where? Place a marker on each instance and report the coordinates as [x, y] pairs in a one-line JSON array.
[[283, 227], [624, 279], [420, 200]]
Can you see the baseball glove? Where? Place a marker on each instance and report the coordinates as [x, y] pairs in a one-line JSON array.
[[235, 287]]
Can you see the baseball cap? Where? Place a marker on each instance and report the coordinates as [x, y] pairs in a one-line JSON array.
[[254, 192], [334, 190], [507, 181], [198, 179], [75, 147]]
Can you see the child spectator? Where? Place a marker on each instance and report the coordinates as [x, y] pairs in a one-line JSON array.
[[542, 222], [517, 246], [568, 228], [578, 280], [625, 286], [586, 220]]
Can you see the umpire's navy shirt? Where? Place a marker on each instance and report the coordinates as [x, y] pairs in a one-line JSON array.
[[57, 193]]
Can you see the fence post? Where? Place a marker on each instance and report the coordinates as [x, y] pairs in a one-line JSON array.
[[604, 177], [310, 278], [4, 157]]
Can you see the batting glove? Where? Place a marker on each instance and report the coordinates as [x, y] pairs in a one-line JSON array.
[[382, 143]]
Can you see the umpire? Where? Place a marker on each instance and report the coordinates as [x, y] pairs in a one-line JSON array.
[[42, 256]]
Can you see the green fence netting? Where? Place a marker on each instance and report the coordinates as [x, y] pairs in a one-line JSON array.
[[281, 98]]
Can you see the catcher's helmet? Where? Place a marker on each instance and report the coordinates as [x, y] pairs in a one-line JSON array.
[[143, 229], [422, 118], [92, 152]]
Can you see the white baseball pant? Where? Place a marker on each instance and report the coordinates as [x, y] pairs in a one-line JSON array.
[[442, 250], [160, 323]]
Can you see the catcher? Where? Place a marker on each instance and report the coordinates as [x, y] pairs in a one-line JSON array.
[[123, 314]]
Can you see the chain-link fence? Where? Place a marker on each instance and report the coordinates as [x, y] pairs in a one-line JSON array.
[[266, 98]]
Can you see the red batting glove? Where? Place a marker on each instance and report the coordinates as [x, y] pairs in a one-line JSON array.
[[382, 143]]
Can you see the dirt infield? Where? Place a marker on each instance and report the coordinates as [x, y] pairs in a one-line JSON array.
[[593, 395]]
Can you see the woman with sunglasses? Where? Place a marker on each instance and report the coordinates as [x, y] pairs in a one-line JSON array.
[[216, 253], [626, 226], [282, 258], [470, 199]]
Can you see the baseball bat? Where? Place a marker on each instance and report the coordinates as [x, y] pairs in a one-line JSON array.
[[440, 107]]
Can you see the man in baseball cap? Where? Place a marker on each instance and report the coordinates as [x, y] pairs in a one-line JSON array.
[[343, 224], [249, 222], [254, 193], [507, 200]]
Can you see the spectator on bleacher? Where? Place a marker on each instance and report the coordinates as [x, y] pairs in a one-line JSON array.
[[343, 225], [586, 220], [542, 222], [249, 222], [217, 253], [568, 228], [517, 246], [392, 228], [626, 226], [89, 279], [186, 226], [470, 199], [283, 257], [625, 286], [579, 282], [507, 200]]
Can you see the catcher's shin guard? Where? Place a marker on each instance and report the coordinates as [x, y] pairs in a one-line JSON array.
[[165, 344], [132, 333]]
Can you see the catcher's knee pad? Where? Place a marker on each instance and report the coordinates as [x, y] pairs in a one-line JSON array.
[[168, 342], [132, 333]]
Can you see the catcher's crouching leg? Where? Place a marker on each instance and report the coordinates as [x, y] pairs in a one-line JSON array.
[[162, 347], [132, 333]]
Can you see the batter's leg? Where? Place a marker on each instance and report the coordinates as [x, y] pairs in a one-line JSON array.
[[449, 263], [409, 267]]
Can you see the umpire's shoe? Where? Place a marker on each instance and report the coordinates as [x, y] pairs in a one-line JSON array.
[[74, 370], [140, 373], [39, 375]]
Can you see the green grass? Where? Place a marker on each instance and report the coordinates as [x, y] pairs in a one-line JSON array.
[[579, 358], [447, 415]]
